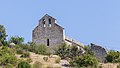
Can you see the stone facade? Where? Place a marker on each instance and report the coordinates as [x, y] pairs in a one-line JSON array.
[[99, 52], [48, 32]]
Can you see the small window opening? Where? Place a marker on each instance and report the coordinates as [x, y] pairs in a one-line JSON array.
[[44, 23], [48, 42], [49, 22]]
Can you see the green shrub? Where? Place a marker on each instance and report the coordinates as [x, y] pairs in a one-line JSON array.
[[65, 51], [29, 60], [9, 66], [100, 66], [7, 56], [42, 49], [37, 65], [25, 55], [45, 58], [118, 66], [24, 64], [84, 61], [113, 56], [19, 51], [57, 60]]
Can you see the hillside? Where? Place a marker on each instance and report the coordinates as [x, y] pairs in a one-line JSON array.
[[14, 53]]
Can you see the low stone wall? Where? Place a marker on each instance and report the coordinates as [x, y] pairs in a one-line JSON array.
[[72, 41]]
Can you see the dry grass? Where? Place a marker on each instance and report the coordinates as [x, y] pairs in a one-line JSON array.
[[39, 58], [109, 65]]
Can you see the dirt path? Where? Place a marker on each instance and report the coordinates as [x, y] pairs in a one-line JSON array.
[[109, 65]]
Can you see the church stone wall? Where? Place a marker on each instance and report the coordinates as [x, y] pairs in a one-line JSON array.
[[48, 32]]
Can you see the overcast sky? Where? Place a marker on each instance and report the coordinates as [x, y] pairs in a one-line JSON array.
[[96, 21]]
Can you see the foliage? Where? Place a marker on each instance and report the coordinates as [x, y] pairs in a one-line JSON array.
[[16, 39], [2, 34], [9, 66], [41, 49], [26, 47], [100, 66], [74, 51], [118, 66], [87, 59], [84, 61], [113, 56], [30, 46], [88, 50], [7, 56], [25, 54], [19, 51], [24, 64], [37, 65], [65, 50], [38, 49], [45, 58], [29, 60], [57, 60]]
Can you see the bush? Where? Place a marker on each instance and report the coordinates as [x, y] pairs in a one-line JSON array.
[[7, 56], [84, 61], [57, 60], [42, 49], [118, 66], [45, 58], [9, 66], [65, 51], [19, 51], [25, 55], [37, 65], [24, 64], [29, 60], [113, 56]]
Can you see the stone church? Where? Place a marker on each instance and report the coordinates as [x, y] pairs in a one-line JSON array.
[[48, 32]]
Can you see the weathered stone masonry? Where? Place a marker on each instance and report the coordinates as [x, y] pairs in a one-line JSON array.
[[48, 32]]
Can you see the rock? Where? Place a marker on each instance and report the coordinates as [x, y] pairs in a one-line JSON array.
[[99, 52]]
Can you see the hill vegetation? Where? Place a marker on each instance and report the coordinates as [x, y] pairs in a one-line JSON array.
[[24, 55]]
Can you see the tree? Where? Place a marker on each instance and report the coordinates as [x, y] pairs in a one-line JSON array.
[[2, 34], [7, 56], [16, 40]]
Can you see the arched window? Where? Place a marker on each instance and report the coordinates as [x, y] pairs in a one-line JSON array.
[[49, 22], [44, 23]]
